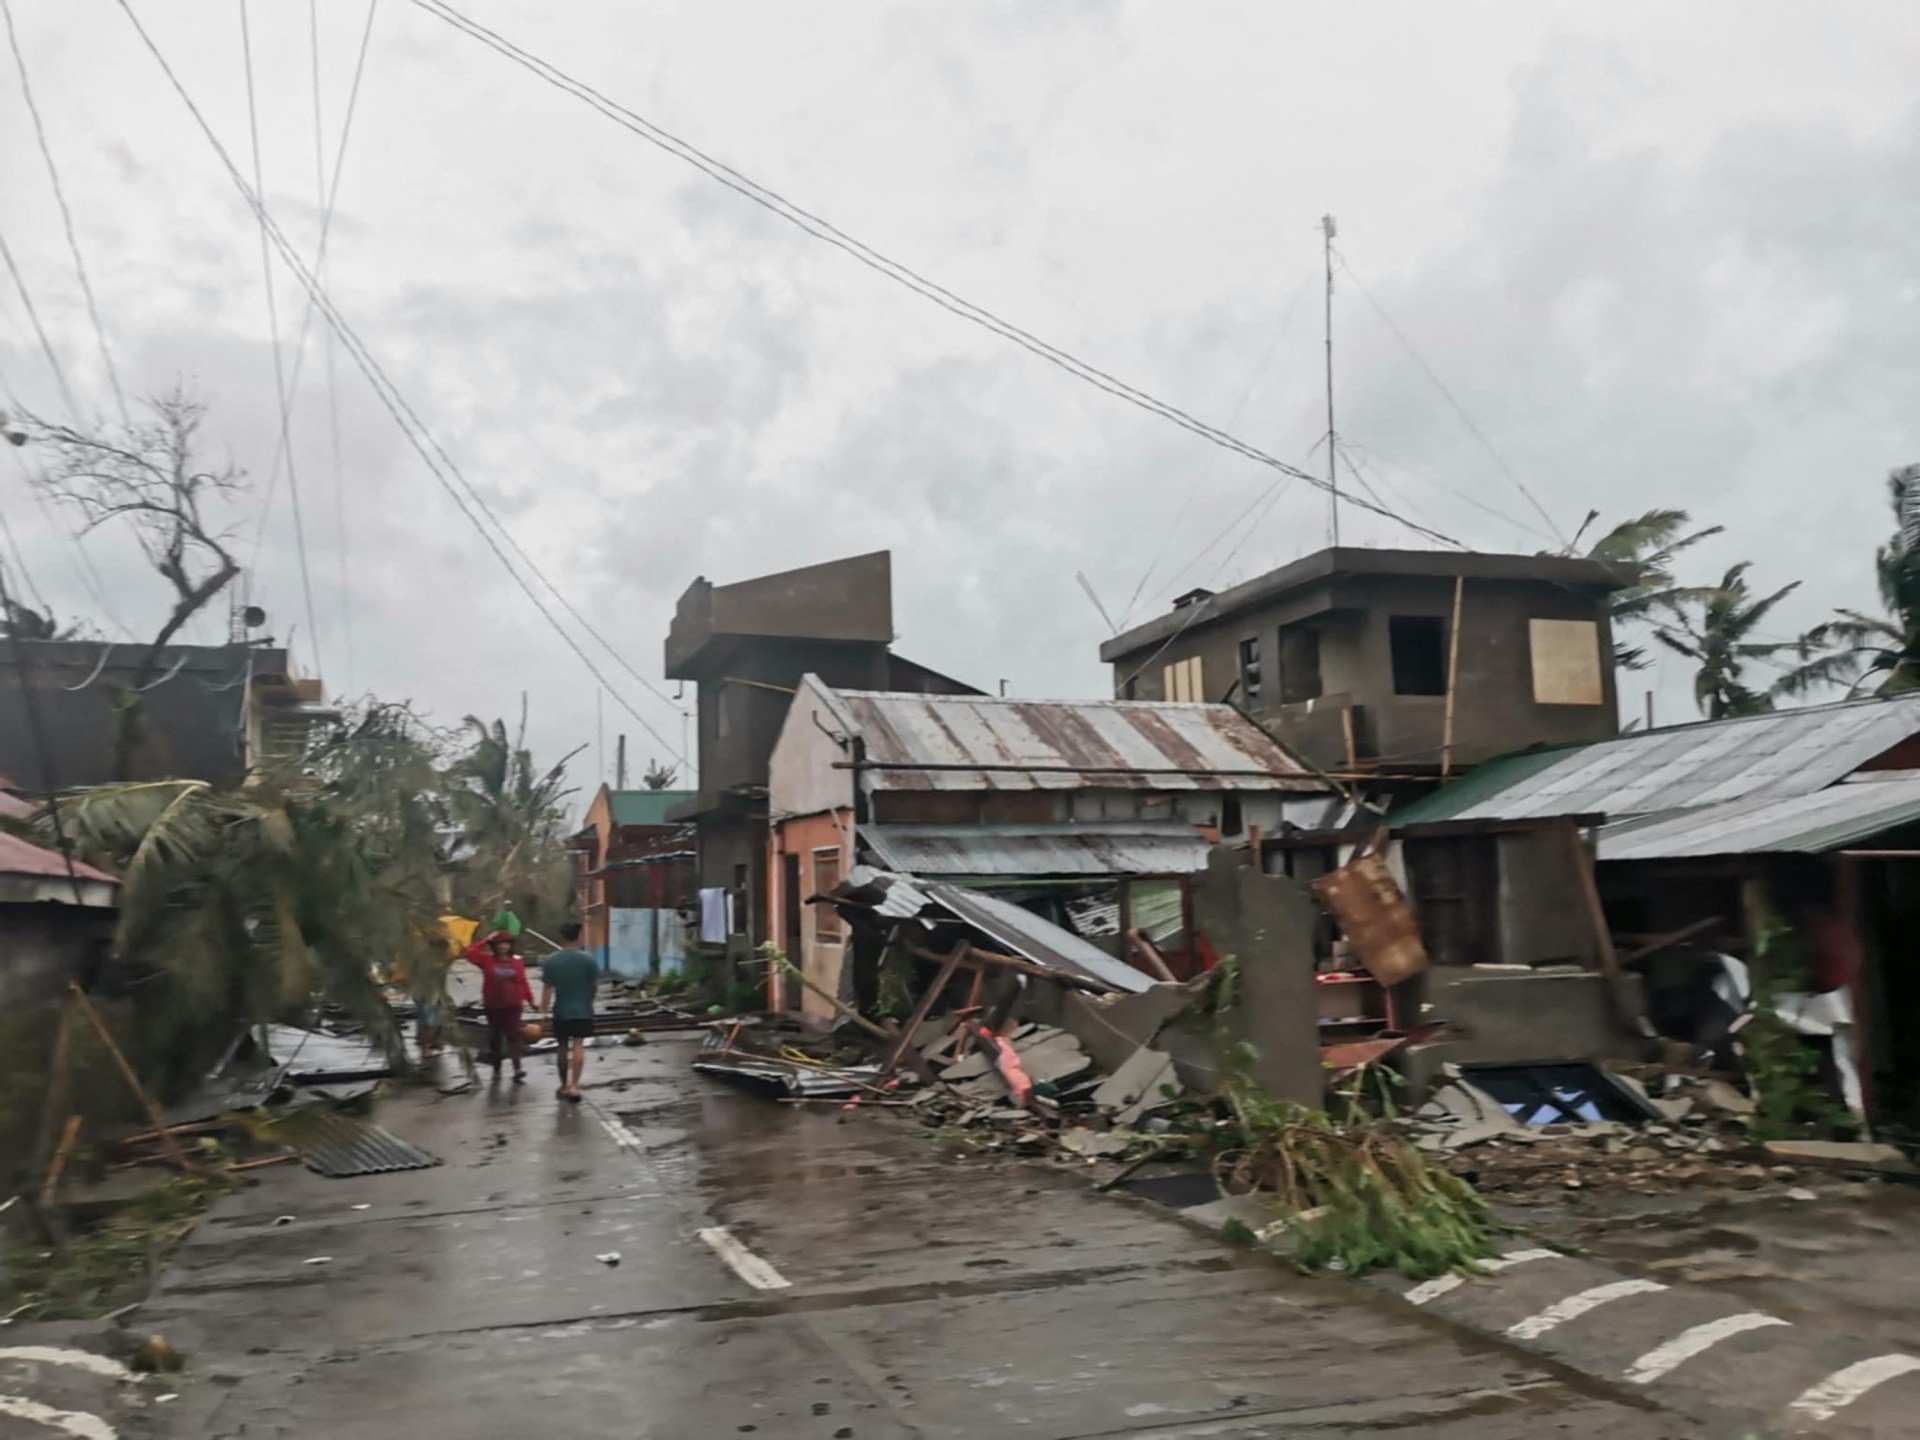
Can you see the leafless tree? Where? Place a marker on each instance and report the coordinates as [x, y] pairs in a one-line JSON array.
[[147, 474]]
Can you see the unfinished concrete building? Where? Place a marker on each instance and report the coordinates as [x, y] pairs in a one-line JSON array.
[[1394, 661]]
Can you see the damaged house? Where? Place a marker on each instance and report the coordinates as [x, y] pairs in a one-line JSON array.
[[1087, 818], [1796, 832]]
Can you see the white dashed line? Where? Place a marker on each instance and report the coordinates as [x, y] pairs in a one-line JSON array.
[[1429, 1290], [1689, 1343], [76, 1423], [1578, 1304], [743, 1262], [78, 1359], [1843, 1387], [622, 1136]]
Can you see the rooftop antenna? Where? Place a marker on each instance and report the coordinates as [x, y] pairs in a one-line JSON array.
[[1328, 230]]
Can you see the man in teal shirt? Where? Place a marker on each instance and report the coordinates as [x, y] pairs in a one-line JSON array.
[[568, 980]]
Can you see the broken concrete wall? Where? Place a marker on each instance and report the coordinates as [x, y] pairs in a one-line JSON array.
[[1266, 923], [1506, 1015], [1541, 902]]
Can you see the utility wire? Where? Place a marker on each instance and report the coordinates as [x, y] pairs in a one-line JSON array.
[[90, 576], [279, 361], [1448, 395], [343, 537], [444, 471], [822, 230], [66, 214], [326, 227], [1374, 451]]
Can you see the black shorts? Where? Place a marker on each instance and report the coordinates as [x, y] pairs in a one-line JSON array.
[[573, 1029]]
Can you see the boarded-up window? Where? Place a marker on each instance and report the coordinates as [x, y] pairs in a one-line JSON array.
[[1566, 662], [1182, 682], [1299, 664], [827, 929]]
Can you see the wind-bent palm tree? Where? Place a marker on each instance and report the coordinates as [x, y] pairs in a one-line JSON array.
[[1716, 628], [1645, 547], [1888, 645], [512, 815]]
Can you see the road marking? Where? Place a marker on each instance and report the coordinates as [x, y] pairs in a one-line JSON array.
[[1578, 1304], [1429, 1290], [1843, 1387], [79, 1359], [77, 1423], [744, 1263], [1689, 1343], [622, 1136]]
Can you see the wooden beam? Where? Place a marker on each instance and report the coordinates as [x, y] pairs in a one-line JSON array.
[[1453, 677], [147, 1102], [925, 1007]]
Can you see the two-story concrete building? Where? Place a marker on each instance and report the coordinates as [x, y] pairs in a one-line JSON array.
[[746, 646], [1394, 661]]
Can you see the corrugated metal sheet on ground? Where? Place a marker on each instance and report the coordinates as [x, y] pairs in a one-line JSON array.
[[1841, 815], [1065, 745], [1095, 848], [314, 1055], [337, 1145], [1020, 931], [1782, 754]]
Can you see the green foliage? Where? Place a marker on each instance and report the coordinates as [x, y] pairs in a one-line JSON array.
[[1354, 1195], [1646, 547], [1783, 1071], [113, 1265], [513, 822], [1718, 629]]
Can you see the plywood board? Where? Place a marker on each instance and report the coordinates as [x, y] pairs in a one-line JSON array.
[[1375, 917], [1566, 662]]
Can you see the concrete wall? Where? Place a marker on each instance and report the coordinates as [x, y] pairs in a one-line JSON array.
[[850, 599], [1501, 1015], [801, 778], [1494, 707], [1543, 908], [195, 723], [822, 961], [42, 946]]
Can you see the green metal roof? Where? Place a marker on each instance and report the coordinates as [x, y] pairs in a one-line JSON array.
[[645, 807], [1479, 785]]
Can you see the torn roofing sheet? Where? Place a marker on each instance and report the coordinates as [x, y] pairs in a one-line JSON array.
[[1022, 932]]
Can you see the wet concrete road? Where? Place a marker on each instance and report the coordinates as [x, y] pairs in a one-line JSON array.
[[911, 1295]]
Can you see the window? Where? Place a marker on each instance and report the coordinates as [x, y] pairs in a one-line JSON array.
[[1130, 690], [1299, 656], [1566, 662], [827, 928], [1182, 682], [1419, 646], [1250, 673]]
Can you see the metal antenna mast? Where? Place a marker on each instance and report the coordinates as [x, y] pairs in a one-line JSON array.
[[1327, 229]]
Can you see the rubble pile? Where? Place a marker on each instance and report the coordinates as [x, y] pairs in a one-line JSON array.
[[1693, 1132]]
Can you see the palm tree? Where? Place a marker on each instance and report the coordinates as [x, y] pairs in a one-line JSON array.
[[1645, 547], [512, 817], [1716, 628], [1889, 645], [246, 906]]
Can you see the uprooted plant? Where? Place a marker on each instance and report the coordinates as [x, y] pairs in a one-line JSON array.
[[1352, 1194]]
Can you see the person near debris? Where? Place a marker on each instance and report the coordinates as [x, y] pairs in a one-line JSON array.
[[504, 994], [569, 978]]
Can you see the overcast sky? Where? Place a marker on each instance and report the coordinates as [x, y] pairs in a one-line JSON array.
[[1658, 254]]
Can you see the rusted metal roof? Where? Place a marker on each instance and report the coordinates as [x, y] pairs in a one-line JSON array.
[[980, 742], [23, 857], [1091, 848]]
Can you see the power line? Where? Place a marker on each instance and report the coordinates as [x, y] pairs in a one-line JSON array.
[[326, 228], [89, 575], [1376, 453], [66, 214], [1213, 454], [343, 547], [892, 269], [1458, 408], [279, 362], [39, 330], [442, 468]]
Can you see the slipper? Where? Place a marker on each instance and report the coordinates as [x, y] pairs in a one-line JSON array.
[[574, 1098]]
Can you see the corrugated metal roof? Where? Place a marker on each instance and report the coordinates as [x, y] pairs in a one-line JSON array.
[[1064, 745], [1095, 848], [337, 1145], [1841, 815], [23, 857], [645, 807], [1785, 753], [1020, 931]]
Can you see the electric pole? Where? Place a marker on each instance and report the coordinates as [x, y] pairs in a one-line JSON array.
[[1327, 230]]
